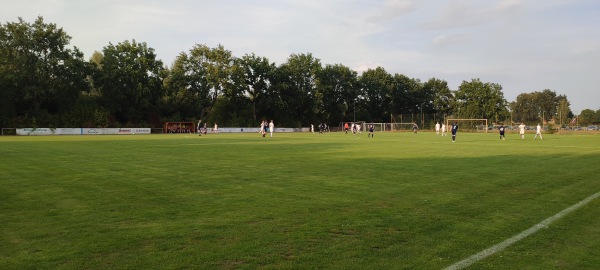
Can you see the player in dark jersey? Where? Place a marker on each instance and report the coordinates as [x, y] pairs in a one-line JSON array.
[[371, 134], [454, 129], [501, 129]]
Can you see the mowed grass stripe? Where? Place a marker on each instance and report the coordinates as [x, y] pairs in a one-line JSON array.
[[508, 242], [399, 200]]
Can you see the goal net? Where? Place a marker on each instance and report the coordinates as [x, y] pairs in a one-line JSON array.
[[379, 127], [469, 125], [361, 124], [401, 126]]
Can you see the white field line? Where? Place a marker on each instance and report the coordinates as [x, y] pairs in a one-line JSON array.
[[498, 247]]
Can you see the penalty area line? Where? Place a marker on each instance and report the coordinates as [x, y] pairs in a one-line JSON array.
[[506, 243]]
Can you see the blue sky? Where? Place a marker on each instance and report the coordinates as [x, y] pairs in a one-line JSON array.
[[524, 46]]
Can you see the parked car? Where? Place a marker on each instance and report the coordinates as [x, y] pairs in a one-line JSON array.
[[592, 128]]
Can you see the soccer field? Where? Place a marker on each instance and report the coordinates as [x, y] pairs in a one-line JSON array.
[[298, 201]]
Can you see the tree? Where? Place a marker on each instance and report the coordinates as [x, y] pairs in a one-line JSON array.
[[40, 77], [297, 85], [563, 110], [588, 116], [130, 79], [540, 106], [547, 100], [476, 99], [254, 76], [442, 96], [376, 89], [339, 87], [401, 99]]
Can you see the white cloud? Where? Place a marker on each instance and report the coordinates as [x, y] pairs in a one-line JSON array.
[[449, 39], [392, 9], [472, 13]]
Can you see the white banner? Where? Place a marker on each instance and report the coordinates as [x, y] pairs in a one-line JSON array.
[[35, 131], [67, 131], [91, 131], [257, 130], [125, 131], [81, 131]]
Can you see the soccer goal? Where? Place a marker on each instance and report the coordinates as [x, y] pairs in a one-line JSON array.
[[401, 126], [9, 131], [379, 127], [472, 125], [362, 124]]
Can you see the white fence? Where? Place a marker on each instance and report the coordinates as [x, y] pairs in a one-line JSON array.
[[131, 131], [80, 131], [257, 130]]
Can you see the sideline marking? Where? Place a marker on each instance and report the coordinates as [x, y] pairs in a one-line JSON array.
[[498, 247]]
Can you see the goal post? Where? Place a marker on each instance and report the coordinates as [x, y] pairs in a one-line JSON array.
[[9, 131], [401, 126], [468, 124], [387, 127], [362, 124]]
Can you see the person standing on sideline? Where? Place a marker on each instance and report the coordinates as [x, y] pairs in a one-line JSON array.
[[443, 129], [501, 129], [371, 134], [522, 130], [538, 131], [437, 128], [454, 129], [198, 127], [266, 128], [271, 128], [262, 127]]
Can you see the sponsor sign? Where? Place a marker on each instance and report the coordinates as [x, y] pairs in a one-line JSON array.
[[35, 131], [91, 131], [125, 131], [257, 130], [67, 131], [81, 131]]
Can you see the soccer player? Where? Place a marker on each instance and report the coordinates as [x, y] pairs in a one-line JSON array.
[[437, 128], [501, 129], [263, 128], [454, 129], [198, 128], [271, 128], [538, 131], [415, 128], [346, 127], [216, 129], [371, 134], [522, 130], [443, 129]]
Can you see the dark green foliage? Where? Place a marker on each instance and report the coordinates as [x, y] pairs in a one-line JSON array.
[[43, 82], [40, 77]]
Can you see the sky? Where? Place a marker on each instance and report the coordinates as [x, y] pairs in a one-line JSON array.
[[523, 45]]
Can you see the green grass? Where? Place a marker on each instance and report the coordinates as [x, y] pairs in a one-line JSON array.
[[296, 201]]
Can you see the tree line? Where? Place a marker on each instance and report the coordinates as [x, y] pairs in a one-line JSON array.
[[44, 82]]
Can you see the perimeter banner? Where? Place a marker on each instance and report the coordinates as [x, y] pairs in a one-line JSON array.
[[81, 131]]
